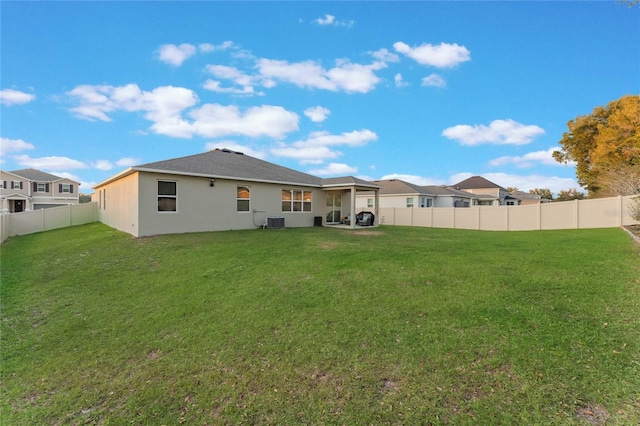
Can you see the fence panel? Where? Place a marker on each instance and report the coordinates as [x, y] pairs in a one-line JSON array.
[[524, 218], [559, 215], [46, 219], [599, 213], [494, 218]]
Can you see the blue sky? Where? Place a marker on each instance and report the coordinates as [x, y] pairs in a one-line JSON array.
[[429, 92]]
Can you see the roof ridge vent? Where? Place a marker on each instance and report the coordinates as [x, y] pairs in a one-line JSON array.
[[228, 151]]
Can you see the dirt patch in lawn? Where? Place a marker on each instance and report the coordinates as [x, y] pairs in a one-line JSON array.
[[593, 414]]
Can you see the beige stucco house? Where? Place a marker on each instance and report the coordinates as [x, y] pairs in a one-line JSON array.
[[222, 190], [401, 194], [526, 198], [31, 189], [480, 186]]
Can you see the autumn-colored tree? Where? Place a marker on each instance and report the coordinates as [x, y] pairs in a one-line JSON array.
[[512, 189], [570, 194], [542, 193], [602, 144]]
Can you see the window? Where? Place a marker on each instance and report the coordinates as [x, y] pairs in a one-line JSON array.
[[167, 196], [425, 202], [16, 184], [65, 188], [296, 201], [369, 202], [409, 201], [41, 187], [511, 203], [243, 199]]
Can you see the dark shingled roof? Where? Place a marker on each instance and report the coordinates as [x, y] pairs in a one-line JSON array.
[[35, 175], [476, 182], [397, 186], [444, 190], [224, 163]]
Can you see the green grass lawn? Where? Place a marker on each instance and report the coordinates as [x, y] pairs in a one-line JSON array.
[[392, 325]]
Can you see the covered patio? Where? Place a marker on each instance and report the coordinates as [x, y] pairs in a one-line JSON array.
[[341, 201]]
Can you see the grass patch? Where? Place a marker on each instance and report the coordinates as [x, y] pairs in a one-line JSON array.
[[319, 325]]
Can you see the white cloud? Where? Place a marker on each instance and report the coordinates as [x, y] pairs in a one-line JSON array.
[[344, 76], [50, 163], [232, 145], [499, 132], [13, 145], [433, 80], [214, 120], [215, 86], [15, 97], [316, 148], [127, 162], [164, 107], [399, 81], [244, 81], [103, 165], [317, 114], [385, 56], [443, 55], [323, 138], [327, 20], [231, 73], [529, 159], [414, 179], [334, 169], [176, 55], [208, 47], [523, 182], [305, 154]]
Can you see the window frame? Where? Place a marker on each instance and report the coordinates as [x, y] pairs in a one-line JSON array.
[[243, 199], [298, 200], [409, 202], [160, 196], [66, 186]]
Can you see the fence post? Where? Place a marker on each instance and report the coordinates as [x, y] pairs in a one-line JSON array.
[[577, 213], [620, 210]]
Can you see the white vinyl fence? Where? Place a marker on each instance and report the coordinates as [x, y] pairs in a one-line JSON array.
[[46, 219], [579, 214]]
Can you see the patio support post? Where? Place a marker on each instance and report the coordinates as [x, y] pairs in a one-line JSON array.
[[352, 224], [376, 207]]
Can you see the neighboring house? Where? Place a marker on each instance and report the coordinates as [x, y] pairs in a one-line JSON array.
[[480, 186], [398, 193], [31, 189], [222, 190], [527, 198]]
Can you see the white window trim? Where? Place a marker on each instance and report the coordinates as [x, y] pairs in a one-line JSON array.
[[243, 199], [166, 196], [302, 202]]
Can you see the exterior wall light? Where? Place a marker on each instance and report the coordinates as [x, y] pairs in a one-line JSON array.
[[212, 182]]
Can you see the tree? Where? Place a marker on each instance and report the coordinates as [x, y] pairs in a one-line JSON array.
[[542, 193], [84, 198], [603, 143], [570, 194], [512, 189]]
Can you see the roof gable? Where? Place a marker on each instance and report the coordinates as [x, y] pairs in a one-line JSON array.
[[476, 182]]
